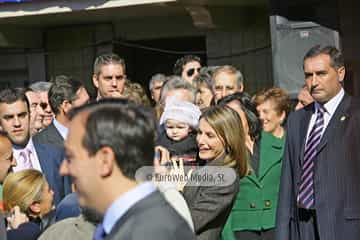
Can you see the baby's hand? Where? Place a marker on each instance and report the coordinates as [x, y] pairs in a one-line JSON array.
[[16, 218]]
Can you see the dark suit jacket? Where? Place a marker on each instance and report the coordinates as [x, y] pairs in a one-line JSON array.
[[151, 218], [26, 231], [210, 206], [337, 212], [50, 159], [50, 135]]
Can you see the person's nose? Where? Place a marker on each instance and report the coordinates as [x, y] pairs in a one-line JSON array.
[[261, 115], [314, 80], [13, 162], [200, 139], [64, 168], [16, 122], [114, 82], [223, 93]]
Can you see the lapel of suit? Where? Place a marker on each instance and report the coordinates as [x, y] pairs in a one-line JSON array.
[[55, 131], [252, 175], [336, 122], [43, 157], [270, 154]]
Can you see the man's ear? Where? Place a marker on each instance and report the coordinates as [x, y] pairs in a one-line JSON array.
[[283, 117], [66, 106], [95, 80], [241, 87], [341, 73], [35, 208], [105, 161]]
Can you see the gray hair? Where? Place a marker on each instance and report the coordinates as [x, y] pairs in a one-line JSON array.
[[159, 77], [230, 70], [174, 83], [40, 86], [107, 59]]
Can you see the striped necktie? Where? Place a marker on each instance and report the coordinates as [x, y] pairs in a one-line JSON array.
[[306, 196]]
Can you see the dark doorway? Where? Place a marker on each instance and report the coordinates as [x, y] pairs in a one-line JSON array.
[[147, 57]]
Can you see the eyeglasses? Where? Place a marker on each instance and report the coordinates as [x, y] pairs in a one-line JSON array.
[[191, 71], [43, 105]]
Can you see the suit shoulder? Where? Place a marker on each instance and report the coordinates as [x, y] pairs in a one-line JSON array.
[[152, 207], [48, 148]]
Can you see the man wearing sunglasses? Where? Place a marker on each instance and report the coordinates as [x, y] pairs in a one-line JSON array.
[[36, 111], [41, 89], [109, 76], [188, 67]]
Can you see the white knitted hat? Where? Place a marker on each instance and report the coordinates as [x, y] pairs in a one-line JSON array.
[[181, 111]]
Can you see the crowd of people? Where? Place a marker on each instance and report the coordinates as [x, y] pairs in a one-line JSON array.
[[200, 159]]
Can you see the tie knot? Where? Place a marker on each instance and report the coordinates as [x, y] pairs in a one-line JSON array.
[[25, 159], [321, 109], [25, 152]]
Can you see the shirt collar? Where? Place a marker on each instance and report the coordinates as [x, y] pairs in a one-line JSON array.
[[29, 145], [61, 128], [121, 205], [333, 103]]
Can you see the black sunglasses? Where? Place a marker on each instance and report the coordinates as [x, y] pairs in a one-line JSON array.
[[43, 105], [191, 71]]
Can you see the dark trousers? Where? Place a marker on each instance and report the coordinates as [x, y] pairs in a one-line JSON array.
[[256, 235], [307, 225]]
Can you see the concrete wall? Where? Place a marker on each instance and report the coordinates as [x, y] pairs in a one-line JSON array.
[[22, 60], [350, 43], [72, 50], [246, 45], [241, 37]]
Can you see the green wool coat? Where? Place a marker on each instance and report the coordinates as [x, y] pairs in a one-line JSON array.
[[256, 202]]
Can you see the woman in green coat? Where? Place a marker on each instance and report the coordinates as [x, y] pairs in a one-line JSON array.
[[253, 213]]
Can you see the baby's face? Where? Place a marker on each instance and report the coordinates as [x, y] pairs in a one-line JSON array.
[[176, 130]]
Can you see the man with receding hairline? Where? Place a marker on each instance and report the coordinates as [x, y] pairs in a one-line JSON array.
[[317, 198], [227, 80]]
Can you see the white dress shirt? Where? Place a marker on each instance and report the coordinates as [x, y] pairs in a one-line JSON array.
[[330, 108], [61, 128], [33, 156]]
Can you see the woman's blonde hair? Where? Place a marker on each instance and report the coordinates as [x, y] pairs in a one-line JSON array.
[[22, 189], [228, 127]]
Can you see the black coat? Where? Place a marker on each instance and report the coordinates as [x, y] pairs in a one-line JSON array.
[[186, 147]]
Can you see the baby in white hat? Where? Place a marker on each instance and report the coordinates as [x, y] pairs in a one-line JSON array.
[[180, 120]]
